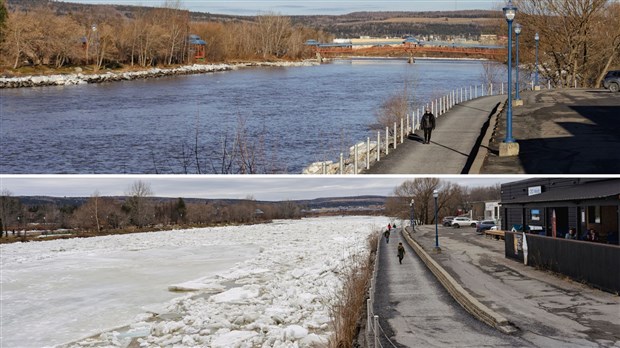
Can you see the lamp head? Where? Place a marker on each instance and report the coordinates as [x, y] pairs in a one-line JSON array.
[[536, 37], [510, 11], [518, 28], [411, 201], [435, 193]]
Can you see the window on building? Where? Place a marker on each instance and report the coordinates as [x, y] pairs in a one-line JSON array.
[[594, 214], [535, 214]]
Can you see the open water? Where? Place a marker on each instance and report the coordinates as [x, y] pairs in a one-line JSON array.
[[292, 116]]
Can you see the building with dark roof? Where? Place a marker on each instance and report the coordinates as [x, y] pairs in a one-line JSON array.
[[580, 203], [542, 210]]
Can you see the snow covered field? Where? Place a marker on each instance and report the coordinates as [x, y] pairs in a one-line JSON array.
[[262, 285]]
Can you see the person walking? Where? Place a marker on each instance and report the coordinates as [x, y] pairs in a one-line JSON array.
[[428, 124], [401, 253], [386, 234]]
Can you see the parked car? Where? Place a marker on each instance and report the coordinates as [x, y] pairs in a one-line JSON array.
[[485, 225], [461, 221], [447, 221], [612, 80]]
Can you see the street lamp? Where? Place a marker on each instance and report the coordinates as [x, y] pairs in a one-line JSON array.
[[536, 39], [95, 42], [412, 205], [517, 97], [437, 248], [509, 147]]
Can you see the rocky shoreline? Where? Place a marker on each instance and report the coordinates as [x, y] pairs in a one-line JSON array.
[[80, 79]]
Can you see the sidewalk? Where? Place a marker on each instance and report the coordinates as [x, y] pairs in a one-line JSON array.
[[562, 131], [416, 311], [454, 140], [549, 310]]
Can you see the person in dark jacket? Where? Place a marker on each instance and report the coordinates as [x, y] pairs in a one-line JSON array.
[[428, 124], [401, 252]]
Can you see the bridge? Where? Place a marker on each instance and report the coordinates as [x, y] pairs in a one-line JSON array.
[[409, 50]]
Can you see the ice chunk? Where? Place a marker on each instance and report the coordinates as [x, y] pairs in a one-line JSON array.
[[236, 295], [294, 332], [233, 339]]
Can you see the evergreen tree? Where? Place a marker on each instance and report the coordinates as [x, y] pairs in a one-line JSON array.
[[181, 209]]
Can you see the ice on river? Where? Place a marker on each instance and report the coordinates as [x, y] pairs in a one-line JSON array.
[[262, 285]]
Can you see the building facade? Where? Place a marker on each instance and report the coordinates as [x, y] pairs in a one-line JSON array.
[[551, 206]]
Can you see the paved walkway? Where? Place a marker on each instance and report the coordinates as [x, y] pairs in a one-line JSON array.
[[416, 311], [453, 142], [561, 132], [550, 311]]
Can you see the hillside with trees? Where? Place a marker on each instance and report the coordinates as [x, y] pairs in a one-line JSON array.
[[139, 210], [59, 35]]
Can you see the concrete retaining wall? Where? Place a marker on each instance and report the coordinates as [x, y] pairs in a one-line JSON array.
[[464, 298]]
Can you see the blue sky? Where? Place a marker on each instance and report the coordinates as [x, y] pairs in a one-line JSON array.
[[261, 187], [253, 7]]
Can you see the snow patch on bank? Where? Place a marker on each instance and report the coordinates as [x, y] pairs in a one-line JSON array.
[[80, 79]]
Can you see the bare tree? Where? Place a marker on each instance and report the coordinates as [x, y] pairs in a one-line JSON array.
[[393, 109], [569, 31], [137, 205], [272, 33]]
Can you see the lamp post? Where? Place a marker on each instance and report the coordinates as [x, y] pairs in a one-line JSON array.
[[509, 147], [412, 205], [536, 87], [437, 248], [95, 43], [517, 97]]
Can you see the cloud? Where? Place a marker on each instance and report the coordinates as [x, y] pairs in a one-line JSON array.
[[261, 187]]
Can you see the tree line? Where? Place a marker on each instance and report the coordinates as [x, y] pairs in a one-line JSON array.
[[137, 210], [451, 199], [40, 36], [579, 39]]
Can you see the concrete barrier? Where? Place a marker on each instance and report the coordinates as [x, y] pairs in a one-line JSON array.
[[464, 298]]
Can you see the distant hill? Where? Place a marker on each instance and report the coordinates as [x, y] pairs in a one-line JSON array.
[[351, 25], [318, 203]]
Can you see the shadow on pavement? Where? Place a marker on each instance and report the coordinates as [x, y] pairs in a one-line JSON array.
[[591, 147]]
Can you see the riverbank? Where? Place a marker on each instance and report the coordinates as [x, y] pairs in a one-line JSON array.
[[110, 76]]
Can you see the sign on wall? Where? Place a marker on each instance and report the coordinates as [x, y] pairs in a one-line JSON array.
[[534, 190]]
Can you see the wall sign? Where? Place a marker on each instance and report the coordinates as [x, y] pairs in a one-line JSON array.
[[534, 190]]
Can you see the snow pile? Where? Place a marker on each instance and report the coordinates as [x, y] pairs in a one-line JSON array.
[[277, 296], [79, 79]]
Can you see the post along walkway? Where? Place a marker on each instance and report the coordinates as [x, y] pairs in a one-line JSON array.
[[546, 309], [456, 134], [416, 311]]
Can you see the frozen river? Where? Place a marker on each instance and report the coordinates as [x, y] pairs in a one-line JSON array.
[[294, 116], [54, 292]]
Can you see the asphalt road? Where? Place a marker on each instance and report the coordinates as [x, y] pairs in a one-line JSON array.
[[549, 310], [416, 311], [561, 131]]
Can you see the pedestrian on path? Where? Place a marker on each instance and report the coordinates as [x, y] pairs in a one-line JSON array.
[[387, 235], [428, 124], [401, 253]]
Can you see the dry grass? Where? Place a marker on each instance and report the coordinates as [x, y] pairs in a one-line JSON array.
[[346, 310]]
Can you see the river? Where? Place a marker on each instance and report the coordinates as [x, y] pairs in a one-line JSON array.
[[290, 117]]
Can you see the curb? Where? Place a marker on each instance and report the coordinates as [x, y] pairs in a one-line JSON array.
[[483, 146], [464, 298]]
